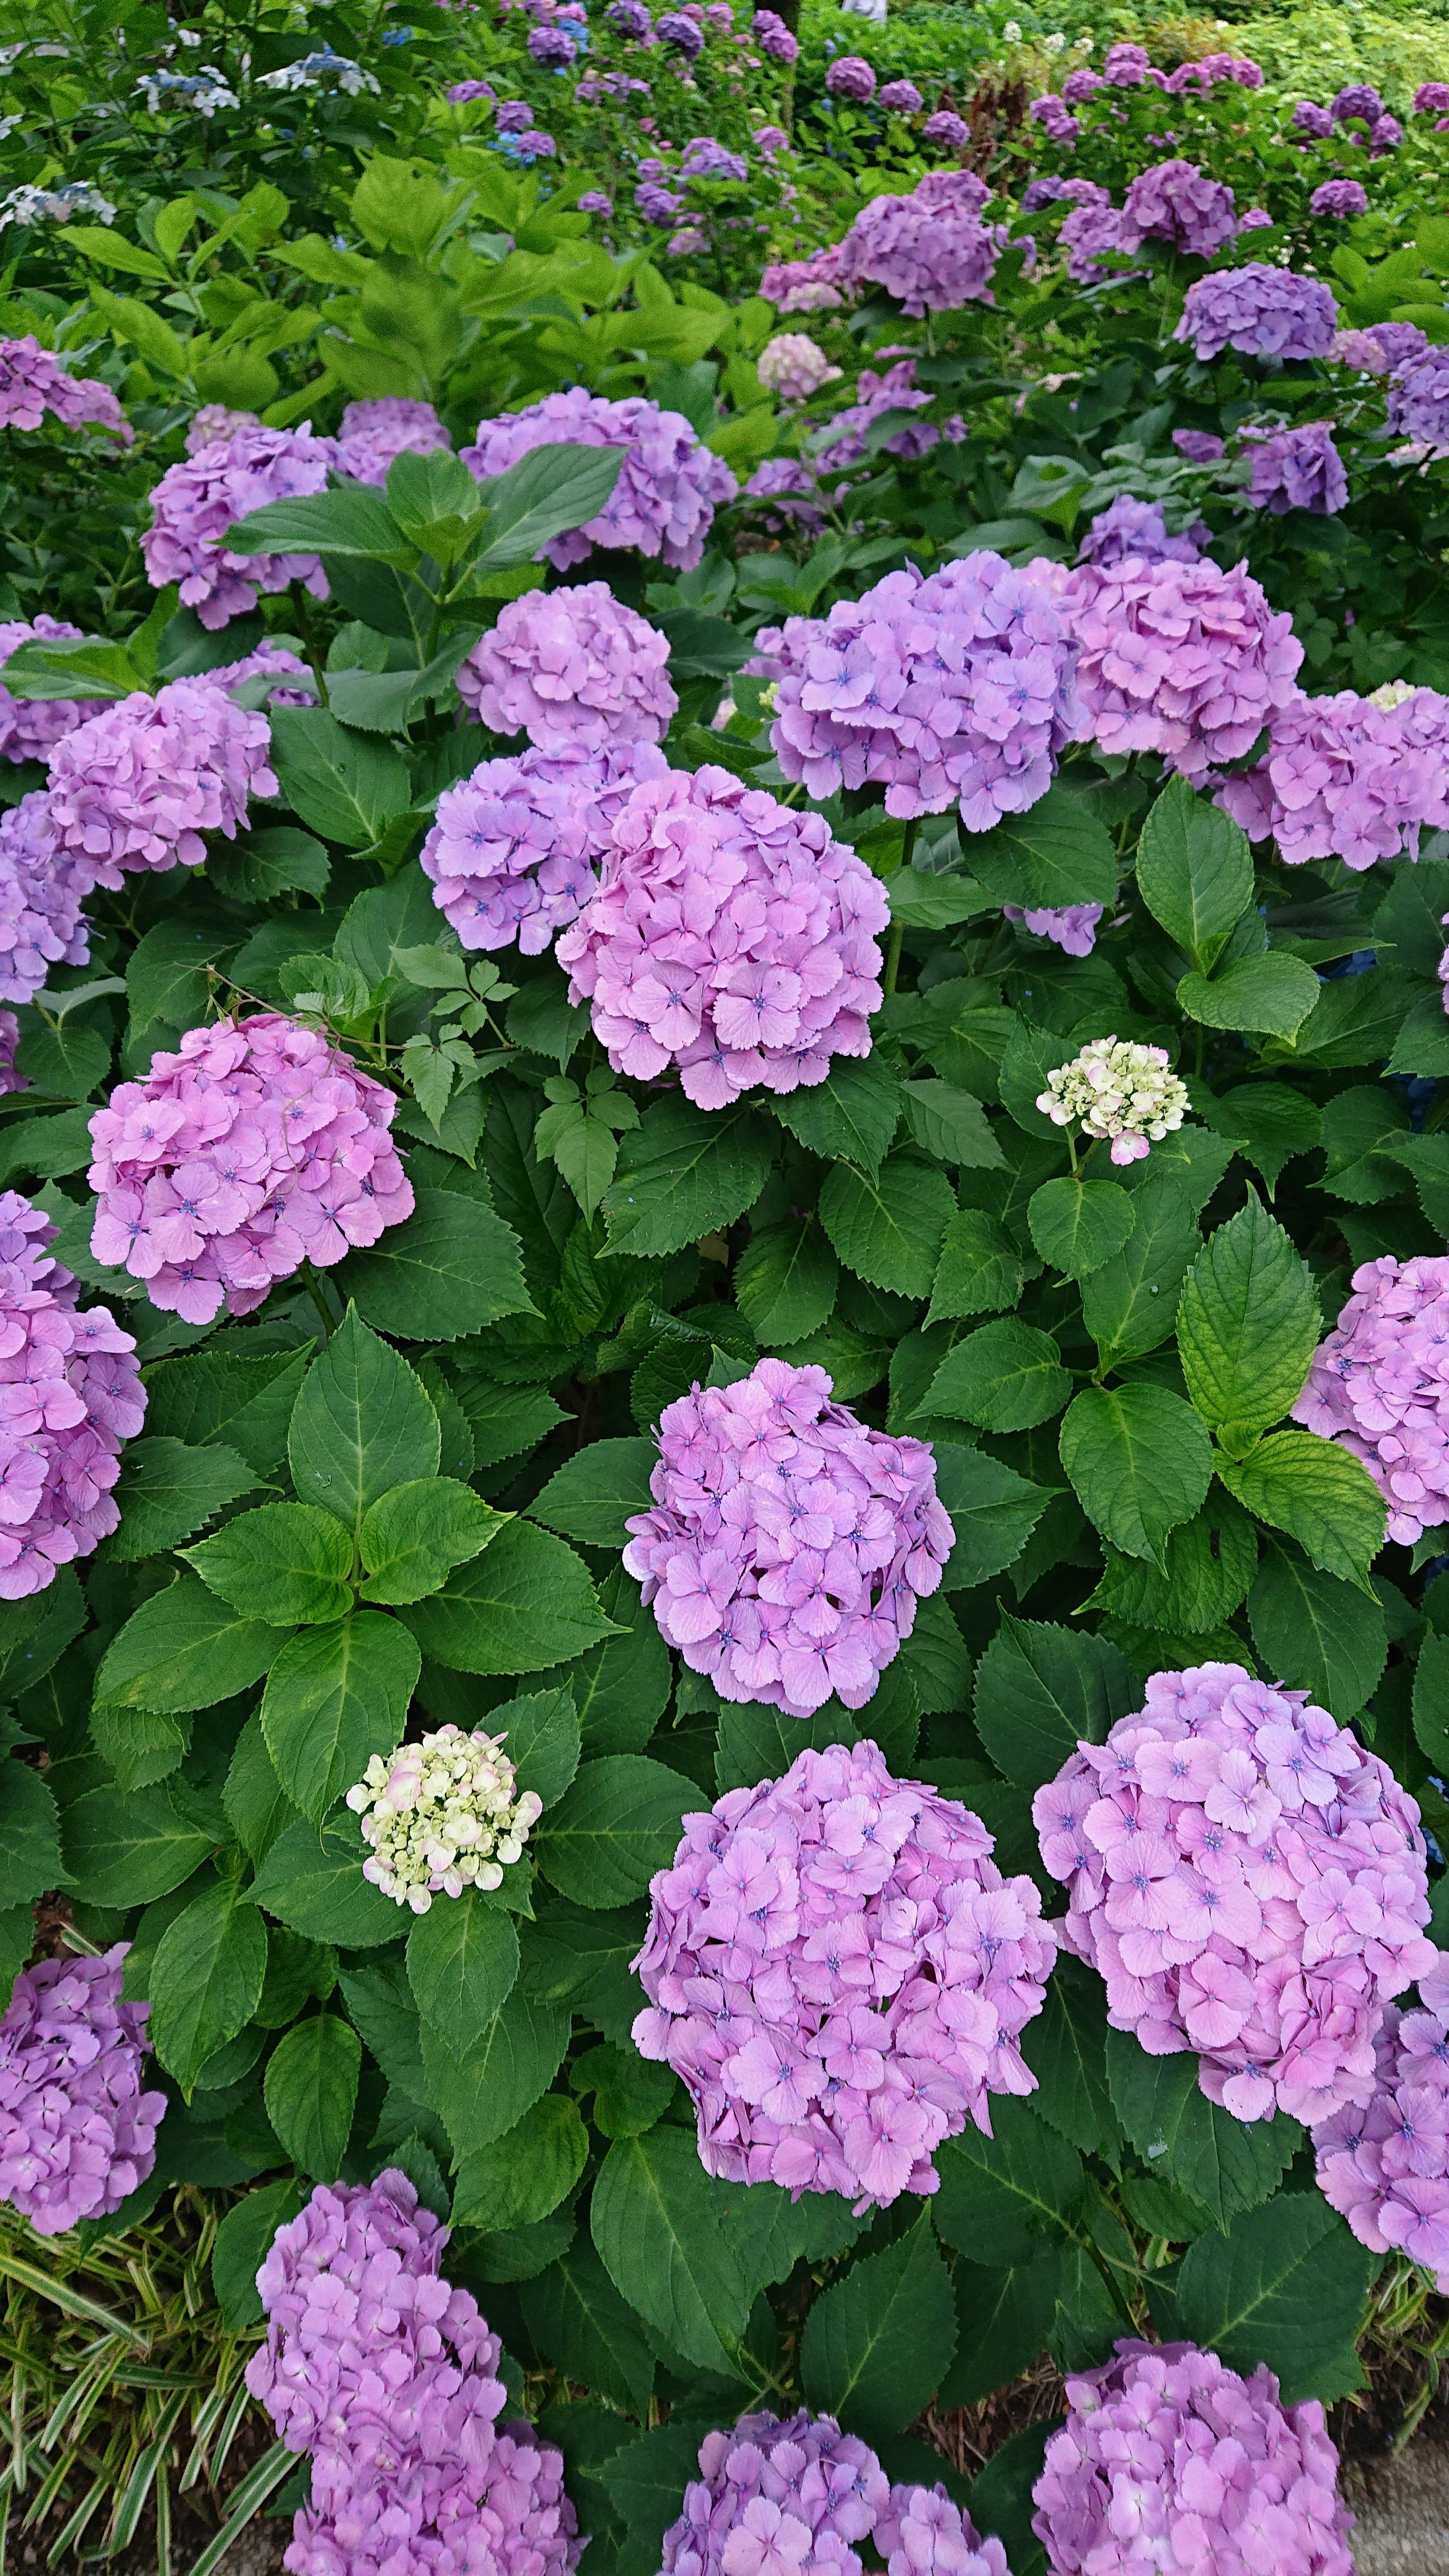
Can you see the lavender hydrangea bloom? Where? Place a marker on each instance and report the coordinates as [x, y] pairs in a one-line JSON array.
[[515, 850], [1431, 98], [922, 2533], [1071, 927], [1081, 85], [629, 18], [552, 47], [1345, 778], [657, 205], [1093, 228], [1128, 527], [666, 496], [513, 116], [137, 785], [1337, 199], [1296, 469], [1286, 1899], [801, 2485], [1168, 2443], [1418, 400], [876, 1968], [214, 424], [296, 685], [930, 250], [594, 202], [731, 937], [77, 2133], [41, 893], [806, 285], [1357, 99], [1051, 114], [197, 502], [374, 433], [31, 727], [1176, 203], [680, 35], [1378, 349], [570, 666], [1180, 659], [896, 390], [463, 93], [1263, 312], [1311, 120], [1043, 192], [955, 689], [255, 1147], [70, 1393], [534, 145], [774, 38], [1385, 2167], [33, 382], [1386, 136], [945, 131], [851, 77], [1126, 66], [794, 488], [1376, 1384], [10, 1080], [704, 158], [1198, 446], [901, 98]]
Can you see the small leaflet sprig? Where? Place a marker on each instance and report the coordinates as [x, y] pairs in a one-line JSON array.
[[441, 1062], [580, 1131]]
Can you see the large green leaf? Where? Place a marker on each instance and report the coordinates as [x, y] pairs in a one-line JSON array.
[[1077, 1225], [993, 1513], [414, 1536], [526, 1604], [541, 1731], [451, 1268], [1140, 1462], [616, 1825], [182, 1650], [30, 1859], [311, 2091], [167, 1492], [980, 1269], [526, 2173], [1195, 871], [1226, 2165], [1275, 993], [593, 1494], [888, 1227], [126, 1851], [1042, 1690], [1247, 1326], [1066, 2049], [1317, 1633], [213, 1395], [850, 1117], [512, 2061], [1000, 2195], [1056, 854], [346, 786], [878, 2344], [206, 1979], [1288, 2287], [1316, 1493], [334, 1697], [785, 1282], [313, 1883], [653, 2224], [1003, 2318], [593, 2336], [361, 1424], [685, 1172], [1007, 1376], [353, 521], [462, 1967], [287, 1563]]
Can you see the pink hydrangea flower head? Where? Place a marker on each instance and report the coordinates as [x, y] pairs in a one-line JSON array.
[[374, 433], [896, 390], [1261, 311], [1051, 113], [70, 1393], [33, 382], [839, 1973], [571, 667], [666, 496], [1128, 527], [1081, 85], [1385, 2166], [1338, 199], [730, 936], [806, 285], [255, 1147], [774, 38], [1249, 1882], [214, 424], [1094, 228], [1071, 927], [945, 131], [41, 892], [1126, 66], [1376, 1384], [31, 727], [929, 250], [197, 502], [1418, 400], [1169, 2459], [922, 2533], [137, 785], [1181, 659], [955, 689], [851, 77], [1346, 777], [1379, 348], [795, 367], [516, 848], [1296, 469], [77, 2131], [801, 2495]]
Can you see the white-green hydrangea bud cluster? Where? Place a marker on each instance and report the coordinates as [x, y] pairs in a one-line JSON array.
[[1118, 1089], [441, 1816]]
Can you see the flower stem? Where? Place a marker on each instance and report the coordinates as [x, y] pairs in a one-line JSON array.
[[314, 1291]]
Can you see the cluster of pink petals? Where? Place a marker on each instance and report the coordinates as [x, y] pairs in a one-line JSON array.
[[387, 2374], [10, 1080], [1094, 227], [955, 688], [730, 936], [214, 423], [1178, 204], [77, 2134], [1128, 527], [375, 433], [1071, 927], [1209, 71], [1181, 659], [31, 727], [1296, 469], [1170, 2460], [1262, 312], [1418, 404], [1054, 116], [839, 1973], [810, 285], [70, 1393], [1380, 1384], [1380, 348], [257, 1146], [1385, 2168], [197, 501], [269, 661], [668, 491], [571, 668], [33, 382], [515, 850], [1249, 1882], [42, 889], [930, 250], [799, 2496], [137, 785], [1344, 778], [896, 390], [788, 1543]]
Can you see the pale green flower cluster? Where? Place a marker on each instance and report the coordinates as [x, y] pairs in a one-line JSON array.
[[1119, 1089], [442, 1815]]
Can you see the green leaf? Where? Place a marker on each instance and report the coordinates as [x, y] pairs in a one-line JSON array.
[[462, 1967], [1006, 1376], [129, 1850], [451, 1268], [1129, 1306], [1313, 1491], [1226, 2165], [548, 492], [1040, 1691], [621, 1686], [167, 1492], [594, 1493], [1140, 1462], [284, 1563], [1248, 1325], [511, 2063], [581, 2324], [206, 1979], [849, 1117], [346, 786], [245, 1404], [1195, 871], [889, 1229], [542, 1734], [756, 1743], [1057, 854], [1077, 1225], [314, 1884], [685, 1172], [524, 2174], [1002, 2497], [1207, 1566], [1431, 1700], [616, 1825], [35, 1631], [923, 902], [1000, 2195], [261, 865], [334, 1697], [29, 1835], [527, 1603], [184, 1650], [243, 2240], [310, 2090], [1316, 1633], [138, 1747], [1288, 2287], [993, 1513], [362, 1424], [628, 2092], [1003, 2319], [1066, 2049], [1275, 993], [646, 2480], [380, 2003], [878, 2344], [652, 2217], [414, 1535], [353, 521], [1268, 1123], [951, 1126], [785, 1282], [505, 1420], [980, 1268]]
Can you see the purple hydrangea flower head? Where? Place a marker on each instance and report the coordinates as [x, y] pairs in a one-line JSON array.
[[463, 93], [374, 433], [1311, 120], [1385, 135], [793, 366], [1262, 311], [514, 116], [1180, 659], [137, 785], [806, 285], [1093, 228], [196, 502], [731, 937], [1202, 2467], [630, 18], [70, 1393], [666, 496], [930, 250], [680, 35], [771, 139], [1385, 2167], [704, 158], [570, 666], [31, 727], [534, 145], [515, 850], [896, 390], [10, 1080], [1345, 777], [214, 424], [33, 382], [872, 1966], [1376, 1385], [657, 205], [1380, 348], [901, 98], [798, 2493], [1055, 119], [1081, 85], [296, 685], [1338, 199], [955, 689], [1296, 469], [1071, 927], [256, 1146], [552, 47], [1250, 1884], [794, 488], [594, 202], [1256, 220], [77, 2133], [946, 131], [1128, 527], [774, 38], [41, 893], [1358, 99], [922, 2533], [1042, 192], [851, 77], [1418, 400], [1125, 66], [1431, 98], [1198, 446], [1176, 203]]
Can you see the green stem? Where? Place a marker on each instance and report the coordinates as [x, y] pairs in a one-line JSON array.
[[314, 1291], [893, 955]]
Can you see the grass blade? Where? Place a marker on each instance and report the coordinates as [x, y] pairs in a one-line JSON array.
[[244, 2501], [73, 2302]]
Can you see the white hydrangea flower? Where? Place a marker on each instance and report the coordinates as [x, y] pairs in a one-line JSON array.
[[793, 366], [1391, 695], [1056, 44], [313, 69], [1011, 32], [205, 90], [1119, 1089], [442, 1815], [55, 205]]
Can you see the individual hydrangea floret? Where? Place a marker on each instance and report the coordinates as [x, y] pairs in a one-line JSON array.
[[1198, 446], [42, 889], [1249, 1882], [1338, 199], [1377, 1384], [374, 433], [33, 382], [1296, 469], [1116, 1088], [442, 1815], [1344, 777], [1182, 659], [256, 1146], [929, 250], [666, 495], [1357, 99], [731, 936], [839, 1973], [1203, 2469], [137, 785], [901, 98], [791, 365], [952, 689], [70, 1393], [1128, 527], [77, 2132], [31, 727], [1260, 311], [946, 131], [570, 666], [515, 850], [1071, 927], [851, 77], [1385, 2166], [198, 501], [1418, 399]]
